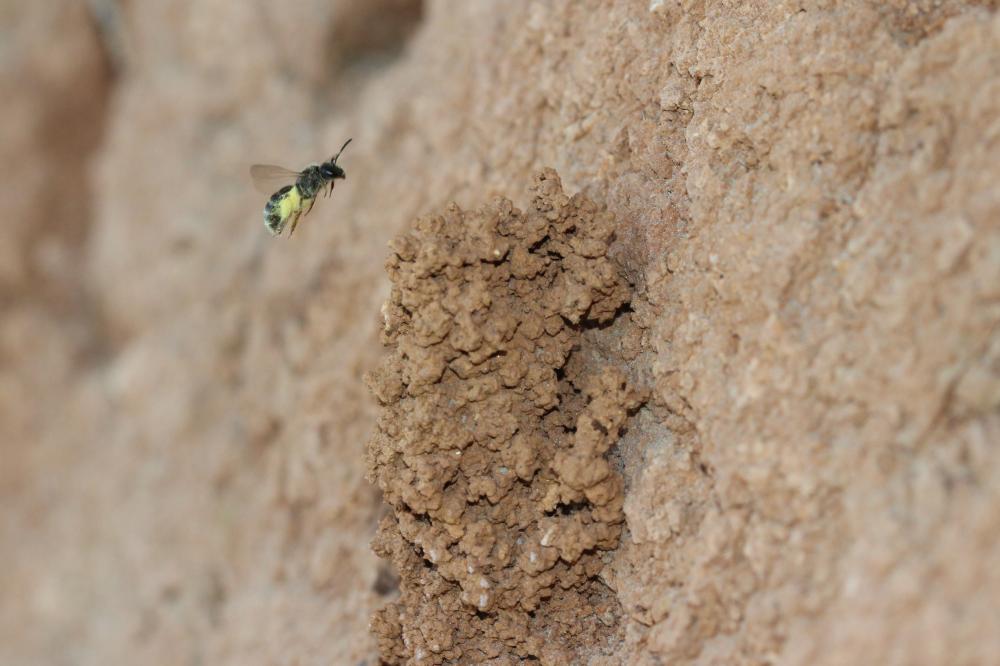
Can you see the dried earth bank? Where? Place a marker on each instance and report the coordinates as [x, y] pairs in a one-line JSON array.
[[806, 204]]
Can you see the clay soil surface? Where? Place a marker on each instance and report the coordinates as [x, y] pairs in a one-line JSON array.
[[641, 331]]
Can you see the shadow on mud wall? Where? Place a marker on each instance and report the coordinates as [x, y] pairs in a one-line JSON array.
[[56, 80], [360, 37], [371, 34]]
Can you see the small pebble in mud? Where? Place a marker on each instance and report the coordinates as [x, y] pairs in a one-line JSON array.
[[386, 581]]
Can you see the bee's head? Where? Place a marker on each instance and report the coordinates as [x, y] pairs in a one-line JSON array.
[[330, 171]]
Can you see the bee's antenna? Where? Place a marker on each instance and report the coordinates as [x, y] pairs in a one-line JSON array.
[[335, 157]]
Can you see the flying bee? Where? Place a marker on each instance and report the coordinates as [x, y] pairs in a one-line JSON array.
[[293, 201]]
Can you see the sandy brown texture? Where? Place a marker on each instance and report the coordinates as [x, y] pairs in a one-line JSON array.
[[492, 437], [805, 202]]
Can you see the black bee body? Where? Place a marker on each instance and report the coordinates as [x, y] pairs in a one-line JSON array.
[[313, 179], [293, 201]]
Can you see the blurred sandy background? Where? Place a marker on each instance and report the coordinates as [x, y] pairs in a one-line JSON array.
[[809, 207]]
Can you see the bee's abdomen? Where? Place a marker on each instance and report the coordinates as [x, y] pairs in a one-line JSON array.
[[272, 218], [280, 206]]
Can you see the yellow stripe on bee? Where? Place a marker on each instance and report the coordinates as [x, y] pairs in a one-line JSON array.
[[290, 203]]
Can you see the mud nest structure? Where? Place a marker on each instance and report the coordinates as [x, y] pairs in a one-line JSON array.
[[492, 438]]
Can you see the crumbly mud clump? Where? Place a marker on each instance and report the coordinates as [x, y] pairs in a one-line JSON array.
[[493, 433]]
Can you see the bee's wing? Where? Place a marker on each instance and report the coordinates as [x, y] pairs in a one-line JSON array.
[[267, 177]]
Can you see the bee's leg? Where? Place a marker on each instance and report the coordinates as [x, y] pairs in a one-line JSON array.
[[295, 221], [312, 202]]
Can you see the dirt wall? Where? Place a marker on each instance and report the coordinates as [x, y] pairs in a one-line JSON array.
[[802, 204]]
